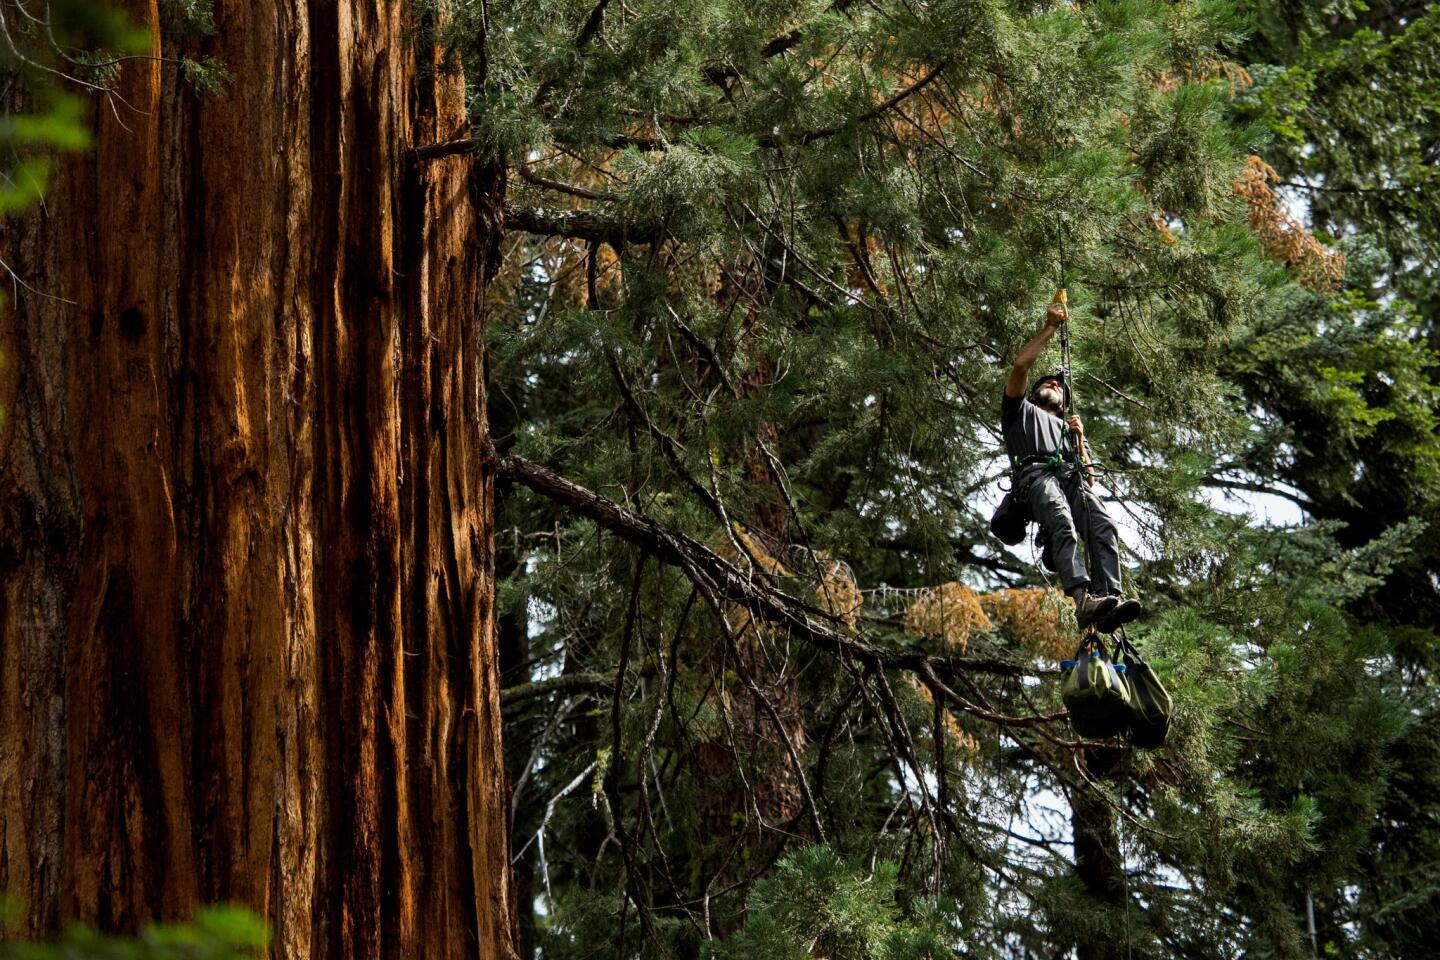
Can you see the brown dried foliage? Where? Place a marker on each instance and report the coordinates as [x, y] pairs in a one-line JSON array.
[[1236, 76], [744, 624], [1034, 618], [1312, 264], [950, 613], [837, 593], [1166, 236]]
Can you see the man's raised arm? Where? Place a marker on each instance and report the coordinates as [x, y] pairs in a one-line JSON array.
[[1020, 373]]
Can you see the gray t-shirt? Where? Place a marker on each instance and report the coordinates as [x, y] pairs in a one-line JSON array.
[[1030, 430]]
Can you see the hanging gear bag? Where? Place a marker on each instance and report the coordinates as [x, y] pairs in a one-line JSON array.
[[1010, 519], [1150, 703], [1094, 692]]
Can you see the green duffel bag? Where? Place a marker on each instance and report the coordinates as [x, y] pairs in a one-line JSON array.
[[1150, 702], [1094, 692]]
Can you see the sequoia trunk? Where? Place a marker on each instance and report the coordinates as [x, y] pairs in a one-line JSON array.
[[246, 581]]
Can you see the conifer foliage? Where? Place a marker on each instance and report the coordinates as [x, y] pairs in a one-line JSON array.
[[775, 692]]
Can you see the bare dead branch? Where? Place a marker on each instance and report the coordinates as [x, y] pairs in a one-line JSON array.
[[706, 568], [531, 177], [444, 148], [566, 683]]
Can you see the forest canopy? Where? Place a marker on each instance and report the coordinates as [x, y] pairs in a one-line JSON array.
[[770, 264]]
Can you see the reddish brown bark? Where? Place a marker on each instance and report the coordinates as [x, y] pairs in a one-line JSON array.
[[246, 581]]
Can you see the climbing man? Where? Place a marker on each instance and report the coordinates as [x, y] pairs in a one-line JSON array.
[[1053, 477]]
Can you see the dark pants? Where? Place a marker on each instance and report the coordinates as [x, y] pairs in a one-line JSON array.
[[1069, 513]]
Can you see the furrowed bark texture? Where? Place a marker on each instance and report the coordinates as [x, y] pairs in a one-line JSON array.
[[246, 581]]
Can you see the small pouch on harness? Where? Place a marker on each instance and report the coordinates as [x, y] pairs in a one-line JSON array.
[[1008, 523], [1150, 703], [1094, 692]]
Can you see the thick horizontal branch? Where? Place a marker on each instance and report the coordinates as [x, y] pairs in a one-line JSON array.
[[709, 570], [445, 148], [565, 683], [579, 225], [530, 176]]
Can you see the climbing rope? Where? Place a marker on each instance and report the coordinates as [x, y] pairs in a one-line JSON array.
[[1123, 641], [1067, 386], [1063, 297], [1090, 467]]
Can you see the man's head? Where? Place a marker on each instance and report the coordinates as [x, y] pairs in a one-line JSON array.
[[1049, 393]]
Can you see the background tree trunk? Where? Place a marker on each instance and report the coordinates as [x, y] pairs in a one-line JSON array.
[[752, 788], [246, 582], [1099, 861]]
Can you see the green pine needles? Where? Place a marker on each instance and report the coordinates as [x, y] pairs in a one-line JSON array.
[[767, 267]]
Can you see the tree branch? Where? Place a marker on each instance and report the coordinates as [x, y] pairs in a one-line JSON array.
[[785, 41], [592, 25], [1118, 392], [1296, 499], [531, 177], [710, 571], [565, 683], [776, 46], [669, 446], [899, 97], [718, 76], [771, 141], [1320, 188], [579, 225], [445, 148]]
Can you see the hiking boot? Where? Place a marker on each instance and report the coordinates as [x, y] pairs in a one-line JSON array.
[[1091, 609], [1121, 613]]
